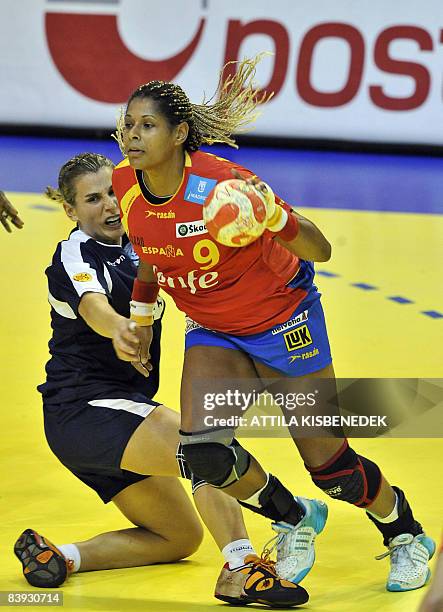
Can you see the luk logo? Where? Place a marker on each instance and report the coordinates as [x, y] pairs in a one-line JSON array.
[[192, 228], [297, 338], [75, 37], [167, 251]]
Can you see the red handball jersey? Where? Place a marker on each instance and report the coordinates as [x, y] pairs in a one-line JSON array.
[[233, 290]]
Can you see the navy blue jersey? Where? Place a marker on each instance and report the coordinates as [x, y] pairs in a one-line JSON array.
[[83, 364]]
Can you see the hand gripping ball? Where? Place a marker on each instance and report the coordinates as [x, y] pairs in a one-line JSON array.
[[235, 213]]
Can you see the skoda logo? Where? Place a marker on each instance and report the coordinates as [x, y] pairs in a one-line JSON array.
[[182, 230]]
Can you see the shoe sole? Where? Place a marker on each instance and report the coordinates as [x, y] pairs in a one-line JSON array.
[[244, 601], [58, 571]]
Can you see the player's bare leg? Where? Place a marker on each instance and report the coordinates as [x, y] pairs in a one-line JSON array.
[[148, 504], [220, 513], [344, 475], [219, 363], [151, 448], [215, 456], [213, 506], [160, 434]]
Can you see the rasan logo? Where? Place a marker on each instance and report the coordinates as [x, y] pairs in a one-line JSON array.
[[191, 228], [169, 214]]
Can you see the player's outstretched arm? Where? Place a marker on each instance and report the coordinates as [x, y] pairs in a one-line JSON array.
[[95, 309], [8, 213]]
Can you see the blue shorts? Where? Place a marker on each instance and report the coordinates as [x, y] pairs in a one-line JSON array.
[[297, 347]]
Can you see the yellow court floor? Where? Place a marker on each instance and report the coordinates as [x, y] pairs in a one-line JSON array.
[[371, 336]]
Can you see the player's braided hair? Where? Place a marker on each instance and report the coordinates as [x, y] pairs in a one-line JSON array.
[[209, 122], [70, 171]]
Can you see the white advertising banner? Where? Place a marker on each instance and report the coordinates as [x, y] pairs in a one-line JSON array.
[[341, 70]]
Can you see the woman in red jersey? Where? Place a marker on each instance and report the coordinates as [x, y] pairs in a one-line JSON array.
[[252, 313]]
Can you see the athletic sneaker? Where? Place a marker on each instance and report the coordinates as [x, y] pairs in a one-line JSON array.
[[43, 564], [257, 582], [295, 543], [409, 561]]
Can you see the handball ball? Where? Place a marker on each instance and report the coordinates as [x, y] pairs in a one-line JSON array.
[[235, 213]]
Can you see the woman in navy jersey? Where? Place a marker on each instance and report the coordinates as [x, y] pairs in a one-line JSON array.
[[102, 423]]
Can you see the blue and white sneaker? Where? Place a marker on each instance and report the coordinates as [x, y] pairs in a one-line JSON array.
[[409, 561], [295, 543]]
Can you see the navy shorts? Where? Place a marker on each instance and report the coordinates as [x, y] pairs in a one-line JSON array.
[[296, 347], [89, 438]]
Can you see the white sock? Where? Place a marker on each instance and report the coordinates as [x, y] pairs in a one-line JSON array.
[[253, 500], [235, 552], [70, 551], [392, 516]]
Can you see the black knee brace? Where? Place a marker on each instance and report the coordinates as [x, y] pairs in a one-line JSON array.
[[185, 472], [218, 464], [348, 477]]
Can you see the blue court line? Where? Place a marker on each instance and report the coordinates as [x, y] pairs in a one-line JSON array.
[[398, 299], [364, 286], [433, 314]]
